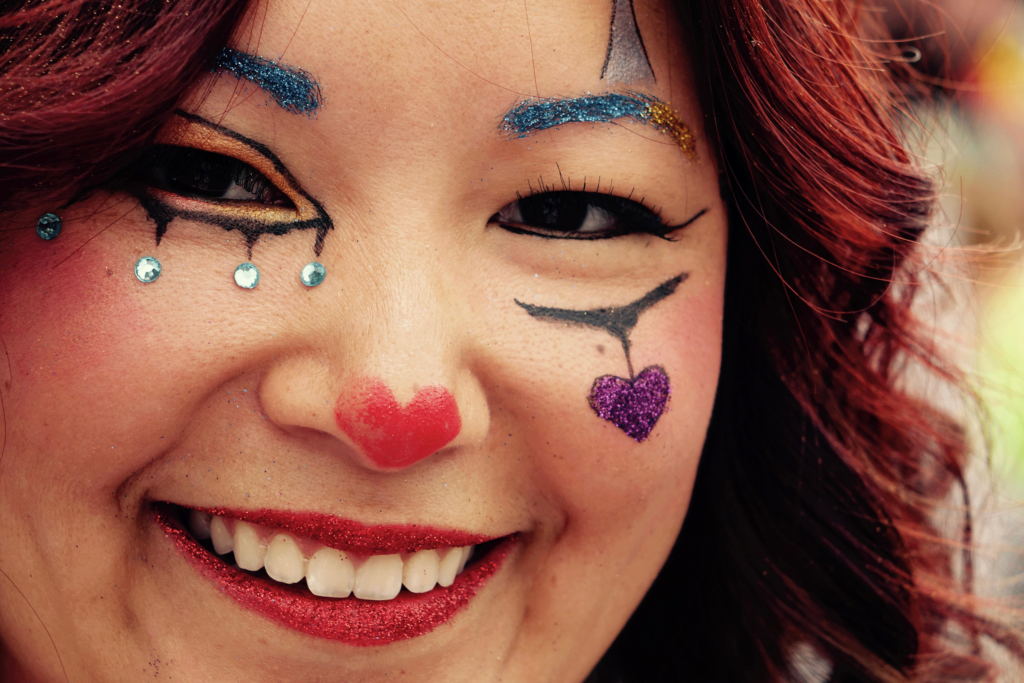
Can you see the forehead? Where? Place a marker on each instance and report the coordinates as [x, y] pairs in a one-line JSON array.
[[471, 49]]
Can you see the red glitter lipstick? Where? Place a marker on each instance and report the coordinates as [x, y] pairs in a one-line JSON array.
[[394, 436], [353, 537], [349, 620]]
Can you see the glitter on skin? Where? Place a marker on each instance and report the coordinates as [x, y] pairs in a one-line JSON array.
[[537, 114], [351, 536], [350, 620], [633, 406], [294, 89]]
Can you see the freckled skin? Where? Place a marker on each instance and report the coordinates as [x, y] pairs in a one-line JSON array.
[[193, 391]]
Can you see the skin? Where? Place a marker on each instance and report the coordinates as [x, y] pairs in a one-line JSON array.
[[195, 391]]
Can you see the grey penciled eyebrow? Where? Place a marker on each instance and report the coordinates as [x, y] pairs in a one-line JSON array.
[[293, 89]]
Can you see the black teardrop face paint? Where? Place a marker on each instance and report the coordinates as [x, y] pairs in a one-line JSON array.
[[197, 169], [632, 404]]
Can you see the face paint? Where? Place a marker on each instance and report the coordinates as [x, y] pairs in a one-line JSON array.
[[634, 404], [538, 114], [626, 61], [393, 436], [252, 219], [366, 623], [294, 89]]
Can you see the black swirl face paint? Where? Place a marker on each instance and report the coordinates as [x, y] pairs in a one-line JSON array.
[[634, 405], [251, 219]]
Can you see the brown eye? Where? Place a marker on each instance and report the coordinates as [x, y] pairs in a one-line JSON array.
[[567, 214], [207, 175]]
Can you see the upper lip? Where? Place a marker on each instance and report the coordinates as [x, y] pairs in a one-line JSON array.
[[352, 536]]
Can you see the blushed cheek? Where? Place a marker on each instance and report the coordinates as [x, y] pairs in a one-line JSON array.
[[68, 320], [604, 478], [71, 320]]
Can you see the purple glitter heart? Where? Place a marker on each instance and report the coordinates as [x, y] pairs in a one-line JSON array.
[[632, 406]]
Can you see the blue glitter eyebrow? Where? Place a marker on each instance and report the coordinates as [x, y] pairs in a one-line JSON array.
[[294, 89], [536, 114]]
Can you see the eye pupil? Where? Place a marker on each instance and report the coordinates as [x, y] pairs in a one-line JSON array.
[[200, 173], [207, 175], [560, 210], [569, 214]]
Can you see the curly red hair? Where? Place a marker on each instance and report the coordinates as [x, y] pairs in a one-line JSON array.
[[811, 518]]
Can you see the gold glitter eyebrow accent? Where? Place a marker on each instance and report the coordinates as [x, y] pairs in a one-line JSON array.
[[665, 119], [537, 114]]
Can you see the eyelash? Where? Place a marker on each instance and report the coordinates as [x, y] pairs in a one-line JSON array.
[[546, 213], [191, 172], [567, 212]]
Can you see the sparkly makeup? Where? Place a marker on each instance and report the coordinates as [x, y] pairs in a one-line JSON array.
[[349, 620], [352, 536], [312, 274], [294, 89], [626, 61], [188, 134], [147, 269], [48, 226], [634, 404], [392, 435], [537, 114], [247, 276]]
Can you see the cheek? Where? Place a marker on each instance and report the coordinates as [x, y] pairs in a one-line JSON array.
[[90, 348], [69, 322], [606, 482]]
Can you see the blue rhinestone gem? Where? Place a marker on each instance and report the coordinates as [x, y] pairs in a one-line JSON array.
[[313, 274], [147, 269], [247, 275], [48, 226]]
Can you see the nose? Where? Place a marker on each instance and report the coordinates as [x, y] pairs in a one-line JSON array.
[[384, 368], [391, 435]]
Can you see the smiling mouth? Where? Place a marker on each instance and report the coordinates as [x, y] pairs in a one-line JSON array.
[[335, 578]]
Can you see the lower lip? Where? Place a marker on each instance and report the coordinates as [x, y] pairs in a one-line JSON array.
[[349, 620]]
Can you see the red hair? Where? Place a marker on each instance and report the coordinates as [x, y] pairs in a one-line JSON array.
[[85, 85], [811, 518]]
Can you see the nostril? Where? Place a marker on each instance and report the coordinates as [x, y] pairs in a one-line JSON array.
[[394, 436]]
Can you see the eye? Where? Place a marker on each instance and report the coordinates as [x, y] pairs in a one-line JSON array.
[[206, 175], [569, 214]]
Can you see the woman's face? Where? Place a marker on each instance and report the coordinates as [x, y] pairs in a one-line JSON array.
[[449, 383]]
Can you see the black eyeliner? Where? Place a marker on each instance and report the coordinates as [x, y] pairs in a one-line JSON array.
[[663, 234], [162, 214]]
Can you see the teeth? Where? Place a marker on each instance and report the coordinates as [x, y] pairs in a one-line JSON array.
[[249, 552], [284, 561], [329, 573], [221, 537], [419, 573], [200, 524], [379, 578], [467, 553], [449, 569]]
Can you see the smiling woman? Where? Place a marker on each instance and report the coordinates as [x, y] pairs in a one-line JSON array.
[[595, 375]]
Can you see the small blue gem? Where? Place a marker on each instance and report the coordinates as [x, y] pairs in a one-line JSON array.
[[48, 226], [247, 275], [147, 269], [313, 274]]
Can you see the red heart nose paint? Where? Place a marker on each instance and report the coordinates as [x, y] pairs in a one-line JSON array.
[[394, 436]]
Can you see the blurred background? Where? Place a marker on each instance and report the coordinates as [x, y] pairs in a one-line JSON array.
[[968, 108]]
